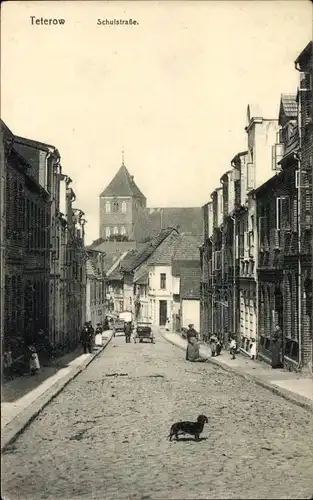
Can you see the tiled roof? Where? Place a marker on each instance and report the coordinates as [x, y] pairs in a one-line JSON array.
[[188, 248], [190, 282], [116, 273], [122, 184], [163, 255], [141, 276], [289, 105], [186, 220], [148, 249]]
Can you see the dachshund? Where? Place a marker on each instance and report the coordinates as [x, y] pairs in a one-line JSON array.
[[193, 428]]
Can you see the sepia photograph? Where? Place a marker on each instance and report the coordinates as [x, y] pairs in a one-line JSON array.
[[156, 190]]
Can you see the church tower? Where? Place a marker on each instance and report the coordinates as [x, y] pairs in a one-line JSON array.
[[121, 206]]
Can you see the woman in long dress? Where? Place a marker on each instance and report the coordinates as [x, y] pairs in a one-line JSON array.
[[276, 347]]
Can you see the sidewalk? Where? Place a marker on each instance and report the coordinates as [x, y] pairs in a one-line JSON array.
[[295, 387], [24, 397]]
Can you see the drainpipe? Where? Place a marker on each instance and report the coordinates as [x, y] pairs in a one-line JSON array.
[[233, 218], [213, 292]]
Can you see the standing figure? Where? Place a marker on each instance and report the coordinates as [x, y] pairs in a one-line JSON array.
[[34, 365], [98, 336], [276, 347], [86, 338], [128, 331], [233, 347], [167, 325], [213, 345], [218, 347], [253, 349]]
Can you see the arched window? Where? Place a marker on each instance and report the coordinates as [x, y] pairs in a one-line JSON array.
[[107, 232], [107, 207], [115, 206], [124, 207], [115, 230], [123, 230]]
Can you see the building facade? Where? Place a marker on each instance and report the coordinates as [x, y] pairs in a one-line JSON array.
[[95, 288]]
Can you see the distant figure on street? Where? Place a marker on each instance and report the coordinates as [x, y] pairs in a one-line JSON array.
[[128, 331], [167, 327], [218, 347], [276, 347], [253, 349], [233, 347], [213, 344], [86, 338], [98, 335], [106, 324]]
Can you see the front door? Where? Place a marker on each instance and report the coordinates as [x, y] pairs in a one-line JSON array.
[[163, 312]]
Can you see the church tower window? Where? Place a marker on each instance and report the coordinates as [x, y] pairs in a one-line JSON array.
[[107, 232], [115, 206], [115, 230], [107, 207], [123, 231], [124, 207]]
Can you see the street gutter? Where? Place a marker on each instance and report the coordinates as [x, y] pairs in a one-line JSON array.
[[298, 400], [17, 426]]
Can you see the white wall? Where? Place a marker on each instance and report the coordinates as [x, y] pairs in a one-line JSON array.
[[176, 285], [265, 138], [191, 313]]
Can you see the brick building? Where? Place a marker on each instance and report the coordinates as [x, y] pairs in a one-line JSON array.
[[44, 260], [26, 257]]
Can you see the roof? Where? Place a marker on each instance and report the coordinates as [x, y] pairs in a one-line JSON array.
[[36, 144], [122, 184], [142, 275], [288, 107], [91, 270], [190, 282], [148, 249], [113, 247], [163, 255], [184, 219], [188, 248], [305, 53], [115, 273]]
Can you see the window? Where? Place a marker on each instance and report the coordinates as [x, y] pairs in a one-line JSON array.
[[115, 206], [123, 231], [107, 207], [115, 230], [124, 207], [282, 213], [163, 281], [263, 231], [107, 232]]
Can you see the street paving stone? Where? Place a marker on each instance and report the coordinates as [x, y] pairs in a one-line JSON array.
[[104, 436]]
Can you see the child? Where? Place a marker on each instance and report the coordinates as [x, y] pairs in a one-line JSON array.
[[233, 347], [253, 349]]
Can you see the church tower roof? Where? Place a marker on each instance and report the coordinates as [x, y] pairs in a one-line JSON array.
[[122, 184]]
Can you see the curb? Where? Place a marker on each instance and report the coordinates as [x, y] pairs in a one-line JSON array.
[[284, 393], [17, 426]]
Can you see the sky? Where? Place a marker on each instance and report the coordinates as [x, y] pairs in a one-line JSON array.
[[171, 91]]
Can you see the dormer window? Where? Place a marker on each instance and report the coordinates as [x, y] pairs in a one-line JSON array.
[[107, 207], [115, 206]]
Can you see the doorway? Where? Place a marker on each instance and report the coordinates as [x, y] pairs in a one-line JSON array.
[[163, 312]]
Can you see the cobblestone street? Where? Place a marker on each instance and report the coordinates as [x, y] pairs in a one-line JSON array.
[[104, 436]]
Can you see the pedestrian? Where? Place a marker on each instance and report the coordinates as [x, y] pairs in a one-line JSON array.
[[127, 331], [233, 347], [213, 344], [86, 338], [167, 325], [218, 347], [98, 335], [34, 365], [8, 362], [276, 347], [253, 349], [191, 340]]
